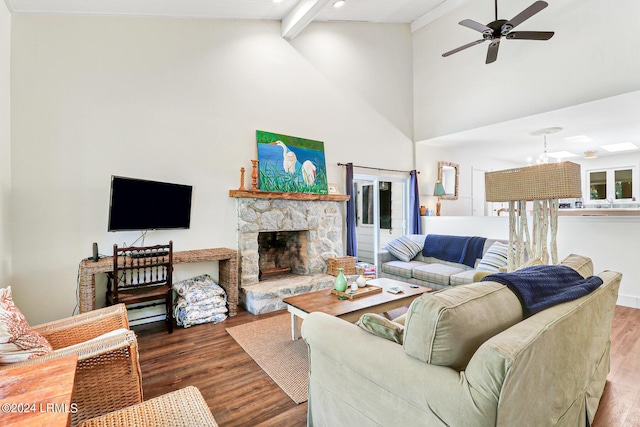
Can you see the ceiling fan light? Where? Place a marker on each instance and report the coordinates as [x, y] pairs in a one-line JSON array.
[[499, 28]]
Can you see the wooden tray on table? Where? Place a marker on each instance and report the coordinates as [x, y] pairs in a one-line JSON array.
[[361, 292]]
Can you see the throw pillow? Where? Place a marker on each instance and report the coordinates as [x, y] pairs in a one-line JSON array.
[[495, 258], [382, 327], [403, 248], [446, 327], [18, 342]]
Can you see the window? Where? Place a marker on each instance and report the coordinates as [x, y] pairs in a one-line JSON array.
[[623, 184], [612, 184], [597, 185]]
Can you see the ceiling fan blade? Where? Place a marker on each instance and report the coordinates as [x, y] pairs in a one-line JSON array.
[[492, 52], [451, 52], [526, 14], [530, 35], [470, 23]]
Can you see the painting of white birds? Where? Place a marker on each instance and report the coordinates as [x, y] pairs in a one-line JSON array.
[[308, 172], [291, 164], [289, 158]]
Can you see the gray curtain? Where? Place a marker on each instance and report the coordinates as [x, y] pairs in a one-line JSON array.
[[352, 241], [415, 225]]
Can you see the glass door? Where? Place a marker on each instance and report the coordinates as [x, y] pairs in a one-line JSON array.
[[381, 213]]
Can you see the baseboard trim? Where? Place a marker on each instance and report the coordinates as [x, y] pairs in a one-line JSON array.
[[628, 301]]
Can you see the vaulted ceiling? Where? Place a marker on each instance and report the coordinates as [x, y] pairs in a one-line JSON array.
[[611, 121], [294, 14]]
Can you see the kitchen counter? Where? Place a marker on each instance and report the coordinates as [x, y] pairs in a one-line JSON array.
[[600, 212]]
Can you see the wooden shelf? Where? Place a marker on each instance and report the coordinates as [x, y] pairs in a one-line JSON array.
[[288, 196]]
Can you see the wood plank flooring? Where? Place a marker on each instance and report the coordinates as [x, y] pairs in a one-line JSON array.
[[620, 403], [239, 393]]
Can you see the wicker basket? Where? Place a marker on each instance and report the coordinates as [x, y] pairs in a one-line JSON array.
[[346, 263], [546, 181]]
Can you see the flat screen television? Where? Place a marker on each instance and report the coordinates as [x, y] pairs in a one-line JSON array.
[[139, 204]]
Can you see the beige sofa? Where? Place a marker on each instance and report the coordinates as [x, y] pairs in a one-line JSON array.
[[429, 271], [467, 359]]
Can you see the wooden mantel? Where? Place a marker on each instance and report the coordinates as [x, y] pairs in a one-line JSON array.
[[287, 196]]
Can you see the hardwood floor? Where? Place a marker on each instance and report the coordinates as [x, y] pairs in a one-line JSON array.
[[239, 393], [620, 403], [237, 390]]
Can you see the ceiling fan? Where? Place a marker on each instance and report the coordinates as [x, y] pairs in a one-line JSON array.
[[499, 28]]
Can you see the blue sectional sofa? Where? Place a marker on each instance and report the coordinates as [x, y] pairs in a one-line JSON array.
[[435, 272]]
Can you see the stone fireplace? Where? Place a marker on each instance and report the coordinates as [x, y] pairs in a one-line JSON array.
[[286, 233]]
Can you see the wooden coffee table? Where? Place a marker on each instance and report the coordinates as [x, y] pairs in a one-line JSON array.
[[351, 309]]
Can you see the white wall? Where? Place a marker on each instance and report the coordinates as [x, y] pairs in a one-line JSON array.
[[376, 70], [427, 158], [595, 53], [5, 145], [176, 100], [599, 238], [577, 65]]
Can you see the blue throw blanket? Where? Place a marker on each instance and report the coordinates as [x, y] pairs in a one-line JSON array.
[[461, 249], [542, 286], [472, 251]]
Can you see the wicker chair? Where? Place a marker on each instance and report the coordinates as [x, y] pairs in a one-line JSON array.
[[108, 375], [181, 408]]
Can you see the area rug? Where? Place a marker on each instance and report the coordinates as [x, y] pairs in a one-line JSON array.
[[269, 343]]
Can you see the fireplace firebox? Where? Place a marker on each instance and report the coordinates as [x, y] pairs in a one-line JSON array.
[[282, 252]]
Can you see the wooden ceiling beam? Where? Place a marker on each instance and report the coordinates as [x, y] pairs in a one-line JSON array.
[[300, 16]]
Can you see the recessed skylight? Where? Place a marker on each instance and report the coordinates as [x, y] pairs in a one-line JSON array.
[[622, 146], [578, 138], [561, 154]]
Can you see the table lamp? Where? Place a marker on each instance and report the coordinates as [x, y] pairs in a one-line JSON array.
[[438, 191]]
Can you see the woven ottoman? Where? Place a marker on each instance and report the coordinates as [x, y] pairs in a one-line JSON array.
[[181, 408]]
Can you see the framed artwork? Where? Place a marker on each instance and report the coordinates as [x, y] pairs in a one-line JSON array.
[[291, 164], [333, 189]]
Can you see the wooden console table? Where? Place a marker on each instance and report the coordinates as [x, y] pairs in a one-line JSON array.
[[228, 274]]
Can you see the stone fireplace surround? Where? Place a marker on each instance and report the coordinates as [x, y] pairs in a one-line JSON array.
[[320, 219]]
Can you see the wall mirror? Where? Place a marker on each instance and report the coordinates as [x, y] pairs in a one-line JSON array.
[[448, 175]]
